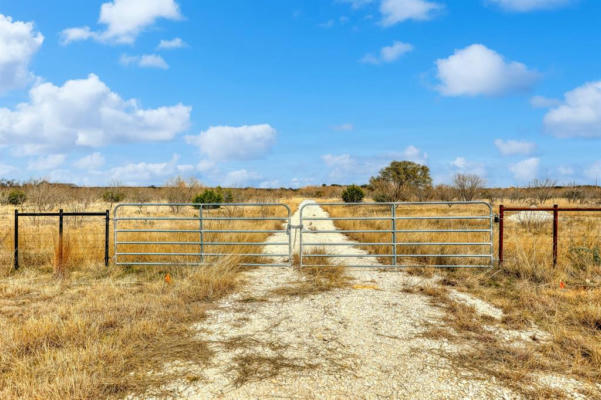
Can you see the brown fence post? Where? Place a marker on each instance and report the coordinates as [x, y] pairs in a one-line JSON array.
[[555, 228], [501, 214]]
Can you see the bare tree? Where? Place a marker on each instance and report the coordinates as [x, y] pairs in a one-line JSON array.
[[468, 186], [542, 189]]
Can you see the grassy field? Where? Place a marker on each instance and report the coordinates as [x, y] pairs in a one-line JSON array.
[[80, 330]]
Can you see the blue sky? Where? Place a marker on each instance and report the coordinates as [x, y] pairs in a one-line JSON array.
[[292, 93]]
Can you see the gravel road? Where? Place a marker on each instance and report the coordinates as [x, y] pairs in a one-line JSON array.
[[361, 342]]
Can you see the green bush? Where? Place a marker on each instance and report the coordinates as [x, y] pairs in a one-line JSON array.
[[16, 197], [207, 197], [111, 196], [353, 194]]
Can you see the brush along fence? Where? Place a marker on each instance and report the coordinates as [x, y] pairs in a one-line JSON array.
[[407, 234], [198, 234], [61, 215], [533, 214]]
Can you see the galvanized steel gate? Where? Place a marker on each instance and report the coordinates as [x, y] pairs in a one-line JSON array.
[[144, 234], [150, 234], [392, 234]]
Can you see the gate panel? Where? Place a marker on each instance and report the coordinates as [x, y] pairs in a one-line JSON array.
[[401, 234], [189, 234]]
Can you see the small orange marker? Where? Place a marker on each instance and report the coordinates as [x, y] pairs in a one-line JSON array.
[[562, 285], [168, 278]]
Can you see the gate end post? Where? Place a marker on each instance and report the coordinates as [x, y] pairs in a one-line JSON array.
[[106, 238], [16, 260], [501, 217], [555, 229]]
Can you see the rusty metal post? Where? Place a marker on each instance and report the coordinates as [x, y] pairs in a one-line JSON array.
[[106, 239], [555, 229], [501, 217], [60, 238], [16, 261]]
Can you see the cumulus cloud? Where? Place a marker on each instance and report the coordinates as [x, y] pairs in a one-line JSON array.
[[579, 115], [227, 143], [478, 70], [543, 102], [464, 166], [124, 20], [143, 172], [525, 170], [240, 178], [85, 112], [18, 43], [388, 54], [171, 44], [48, 162], [395, 11], [513, 147], [144, 61], [90, 162], [529, 5], [412, 153]]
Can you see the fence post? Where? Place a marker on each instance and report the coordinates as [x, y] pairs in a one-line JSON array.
[[501, 215], [60, 238], [106, 238], [202, 245], [16, 261], [393, 208], [555, 229]]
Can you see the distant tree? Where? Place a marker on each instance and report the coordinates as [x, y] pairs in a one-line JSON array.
[[400, 180], [468, 186], [542, 189], [16, 197], [353, 194], [208, 197]]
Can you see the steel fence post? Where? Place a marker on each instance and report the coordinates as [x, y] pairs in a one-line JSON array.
[[16, 261], [106, 238], [555, 229], [60, 238], [501, 215]]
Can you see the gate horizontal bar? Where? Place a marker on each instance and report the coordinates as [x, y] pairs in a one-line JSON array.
[[399, 255], [210, 243], [196, 231], [199, 264], [400, 244], [400, 231], [203, 218], [202, 254], [401, 266]]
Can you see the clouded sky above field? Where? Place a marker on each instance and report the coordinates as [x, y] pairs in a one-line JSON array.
[[290, 93]]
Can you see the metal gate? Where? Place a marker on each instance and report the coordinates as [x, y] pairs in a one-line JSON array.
[[197, 234], [403, 234]]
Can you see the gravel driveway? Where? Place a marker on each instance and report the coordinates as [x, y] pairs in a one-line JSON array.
[[361, 342]]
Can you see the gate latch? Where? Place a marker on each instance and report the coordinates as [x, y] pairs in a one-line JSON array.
[[290, 227]]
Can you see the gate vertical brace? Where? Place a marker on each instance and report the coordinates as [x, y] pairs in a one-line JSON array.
[[106, 238], [200, 225], [16, 261], [115, 243], [393, 209], [501, 215], [555, 229], [60, 239]]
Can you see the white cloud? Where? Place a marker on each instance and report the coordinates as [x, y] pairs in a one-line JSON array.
[[184, 168], [356, 3], [144, 61], [565, 170], [525, 170], [171, 44], [513, 147], [124, 20], [579, 115], [462, 165], [240, 178], [395, 11], [529, 5], [412, 153], [235, 143], [18, 43], [85, 112], [543, 102], [143, 172], [90, 162], [346, 127], [344, 161], [48, 162], [478, 70], [594, 171], [388, 54], [328, 24], [205, 166]]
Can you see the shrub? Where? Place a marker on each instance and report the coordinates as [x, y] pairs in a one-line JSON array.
[[111, 196], [400, 181], [353, 194], [208, 196], [468, 186], [16, 197]]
